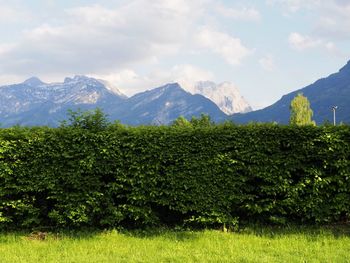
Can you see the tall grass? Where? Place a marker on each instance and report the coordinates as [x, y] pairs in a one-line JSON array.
[[265, 245]]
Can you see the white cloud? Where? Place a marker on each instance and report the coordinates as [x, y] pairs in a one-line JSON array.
[[11, 14], [100, 39], [229, 48], [330, 46], [294, 5], [331, 17], [188, 75], [129, 82], [240, 13], [267, 63], [5, 48], [302, 42], [117, 41], [334, 21], [126, 80], [7, 13]]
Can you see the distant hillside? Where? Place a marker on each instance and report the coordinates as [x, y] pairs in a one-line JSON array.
[[323, 94], [163, 105]]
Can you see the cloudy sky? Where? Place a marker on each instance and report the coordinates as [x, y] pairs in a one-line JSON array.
[[267, 48]]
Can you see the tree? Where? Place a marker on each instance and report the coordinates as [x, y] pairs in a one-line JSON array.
[[300, 111], [93, 120], [203, 121], [181, 122]]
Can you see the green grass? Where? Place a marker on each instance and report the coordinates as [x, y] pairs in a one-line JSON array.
[[264, 245]]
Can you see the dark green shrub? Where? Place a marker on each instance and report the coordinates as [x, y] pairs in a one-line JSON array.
[[224, 174]]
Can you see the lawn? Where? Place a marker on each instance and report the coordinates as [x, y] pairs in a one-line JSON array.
[[248, 245]]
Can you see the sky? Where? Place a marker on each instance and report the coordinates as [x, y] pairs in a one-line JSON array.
[[266, 48]]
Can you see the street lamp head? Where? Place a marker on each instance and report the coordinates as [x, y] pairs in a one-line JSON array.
[[334, 108]]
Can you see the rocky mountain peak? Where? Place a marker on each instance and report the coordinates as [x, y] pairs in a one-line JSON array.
[[112, 88], [172, 86], [225, 95], [33, 82], [83, 79]]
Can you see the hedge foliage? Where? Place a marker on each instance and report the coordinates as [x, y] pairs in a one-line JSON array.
[[133, 177]]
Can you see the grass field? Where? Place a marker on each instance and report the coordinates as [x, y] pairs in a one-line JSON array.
[[264, 245]]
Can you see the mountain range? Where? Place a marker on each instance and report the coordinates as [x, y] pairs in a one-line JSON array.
[[34, 102]]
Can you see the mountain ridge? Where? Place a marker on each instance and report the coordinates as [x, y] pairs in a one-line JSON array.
[[34, 102], [323, 94]]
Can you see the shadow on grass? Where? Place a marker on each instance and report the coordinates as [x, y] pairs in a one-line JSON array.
[[86, 234], [181, 235], [47, 234], [313, 232]]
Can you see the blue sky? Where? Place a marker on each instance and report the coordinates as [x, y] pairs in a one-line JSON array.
[[267, 48]]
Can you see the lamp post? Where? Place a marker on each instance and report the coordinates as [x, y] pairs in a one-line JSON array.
[[334, 108]]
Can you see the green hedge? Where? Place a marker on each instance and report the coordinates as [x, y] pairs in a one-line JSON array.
[[71, 177]]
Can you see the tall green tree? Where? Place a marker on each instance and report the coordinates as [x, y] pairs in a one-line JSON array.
[[93, 120], [181, 122], [300, 111], [203, 121]]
